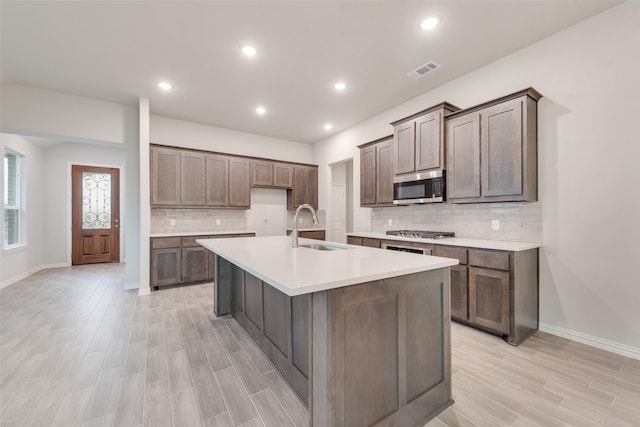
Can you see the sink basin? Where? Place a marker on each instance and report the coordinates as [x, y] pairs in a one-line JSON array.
[[323, 247]]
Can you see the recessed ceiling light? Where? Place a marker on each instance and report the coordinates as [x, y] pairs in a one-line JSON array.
[[164, 85], [261, 110], [328, 126], [429, 23], [340, 86], [249, 51]]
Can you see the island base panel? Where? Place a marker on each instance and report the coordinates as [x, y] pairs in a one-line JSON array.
[[376, 353]]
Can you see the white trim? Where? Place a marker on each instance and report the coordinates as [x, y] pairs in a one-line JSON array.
[[603, 344], [144, 291], [19, 277], [121, 173], [15, 248], [130, 286]]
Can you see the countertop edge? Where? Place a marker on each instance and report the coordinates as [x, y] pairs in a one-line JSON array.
[[502, 245], [442, 263]]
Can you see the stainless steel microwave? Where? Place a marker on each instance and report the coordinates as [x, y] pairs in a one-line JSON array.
[[423, 187]]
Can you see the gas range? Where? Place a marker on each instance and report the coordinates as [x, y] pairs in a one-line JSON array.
[[421, 234]]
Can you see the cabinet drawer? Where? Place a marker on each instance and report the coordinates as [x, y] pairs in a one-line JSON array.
[[190, 242], [351, 240], [243, 235], [165, 242], [452, 252], [489, 259]]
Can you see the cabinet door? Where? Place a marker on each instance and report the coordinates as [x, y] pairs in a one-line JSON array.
[[195, 262], [384, 173], [217, 180], [282, 175], [404, 147], [192, 182], [489, 298], [502, 149], [368, 176], [459, 292], [166, 267], [429, 142], [261, 173], [463, 154], [165, 177], [305, 187], [239, 183]]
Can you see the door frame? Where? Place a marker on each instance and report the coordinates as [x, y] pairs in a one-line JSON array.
[[121, 171]]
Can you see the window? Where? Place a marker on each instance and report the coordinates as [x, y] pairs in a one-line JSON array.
[[12, 193]]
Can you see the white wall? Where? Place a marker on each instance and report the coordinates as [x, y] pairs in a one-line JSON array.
[[19, 262], [60, 116], [178, 133], [588, 153], [57, 197]]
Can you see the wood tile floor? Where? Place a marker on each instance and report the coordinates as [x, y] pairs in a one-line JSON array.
[[77, 350]]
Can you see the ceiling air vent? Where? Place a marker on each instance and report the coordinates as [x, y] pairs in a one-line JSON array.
[[423, 70]]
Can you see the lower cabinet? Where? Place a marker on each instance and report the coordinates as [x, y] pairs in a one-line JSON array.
[[180, 260], [493, 290], [310, 234]]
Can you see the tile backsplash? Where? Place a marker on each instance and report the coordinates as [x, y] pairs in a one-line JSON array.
[[520, 222], [190, 220]]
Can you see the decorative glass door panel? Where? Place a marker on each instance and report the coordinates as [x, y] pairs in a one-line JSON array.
[[95, 215]]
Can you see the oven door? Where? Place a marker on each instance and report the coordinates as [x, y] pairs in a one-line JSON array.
[[400, 248]]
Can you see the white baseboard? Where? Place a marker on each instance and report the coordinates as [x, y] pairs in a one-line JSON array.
[[26, 274], [129, 286], [144, 291], [612, 346]]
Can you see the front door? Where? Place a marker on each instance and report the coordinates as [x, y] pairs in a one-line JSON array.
[[95, 215]]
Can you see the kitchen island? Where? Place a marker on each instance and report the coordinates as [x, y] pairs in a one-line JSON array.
[[362, 335]]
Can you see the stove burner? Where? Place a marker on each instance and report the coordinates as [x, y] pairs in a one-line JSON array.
[[421, 234]]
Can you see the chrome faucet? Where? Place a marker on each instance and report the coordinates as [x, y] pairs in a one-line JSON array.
[[294, 232]]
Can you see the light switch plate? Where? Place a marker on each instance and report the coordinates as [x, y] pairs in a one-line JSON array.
[[495, 224], [172, 222]]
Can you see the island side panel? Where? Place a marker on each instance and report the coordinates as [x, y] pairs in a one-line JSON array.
[[381, 352], [268, 316], [222, 286]]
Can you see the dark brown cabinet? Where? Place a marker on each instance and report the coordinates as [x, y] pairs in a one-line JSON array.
[[493, 290], [261, 173], [192, 178], [376, 173], [310, 234], [239, 183], [305, 187], [165, 177], [282, 175], [180, 260], [492, 150], [419, 140], [217, 181], [265, 173]]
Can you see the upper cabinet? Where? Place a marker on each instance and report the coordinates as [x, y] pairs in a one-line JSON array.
[[376, 172], [305, 187], [265, 173], [165, 177], [183, 178], [492, 150], [418, 140]]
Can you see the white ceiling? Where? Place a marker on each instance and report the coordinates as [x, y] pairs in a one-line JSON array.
[[117, 51]]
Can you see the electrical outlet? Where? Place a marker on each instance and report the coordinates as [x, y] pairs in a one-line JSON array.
[[495, 224], [217, 221], [299, 220], [172, 222], [389, 222]]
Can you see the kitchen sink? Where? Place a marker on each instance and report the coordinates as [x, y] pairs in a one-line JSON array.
[[323, 247]]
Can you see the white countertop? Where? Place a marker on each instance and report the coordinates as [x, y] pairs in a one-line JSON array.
[[298, 271], [200, 233], [455, 241]]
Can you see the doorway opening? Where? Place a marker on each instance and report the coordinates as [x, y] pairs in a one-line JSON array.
[[340, 219], [95, 214]]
